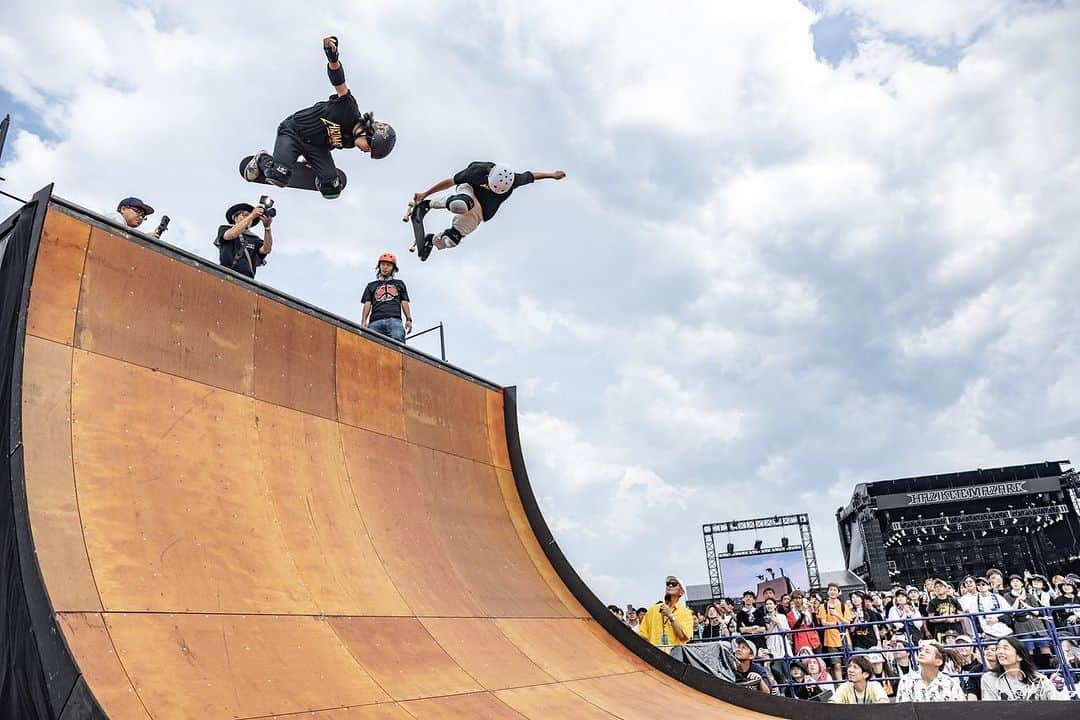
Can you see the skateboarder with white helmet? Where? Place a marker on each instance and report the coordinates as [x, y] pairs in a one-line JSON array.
[[313, 132], [478, 191], [385, 300]]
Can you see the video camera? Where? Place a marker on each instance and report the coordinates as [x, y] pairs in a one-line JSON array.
[[268, 206]]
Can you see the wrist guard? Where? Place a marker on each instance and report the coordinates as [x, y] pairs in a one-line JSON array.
[[337, 77], [331, 49]]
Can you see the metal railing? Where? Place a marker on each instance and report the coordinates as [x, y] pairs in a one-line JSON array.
[[1049, 635]]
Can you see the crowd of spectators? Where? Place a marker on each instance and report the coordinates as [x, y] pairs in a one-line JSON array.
[[940, 642]]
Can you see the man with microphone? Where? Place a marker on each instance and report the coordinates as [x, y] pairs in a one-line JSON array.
[[668, 622]]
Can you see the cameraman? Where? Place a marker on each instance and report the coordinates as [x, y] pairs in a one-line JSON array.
[[240, 249], [132, 212]]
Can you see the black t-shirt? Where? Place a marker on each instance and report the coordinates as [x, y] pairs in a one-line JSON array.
[[231, 252], [744, 679], [477, 176], [754, 616], [329, 123], [862, 636], [942, 606], [970, 680], [385, 297]]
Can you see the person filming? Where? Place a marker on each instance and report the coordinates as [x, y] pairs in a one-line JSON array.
[[239, 248]]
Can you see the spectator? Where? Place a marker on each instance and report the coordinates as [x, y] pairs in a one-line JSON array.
[[987, 601], [1016, 677], [859, 689], [901, 656], [238, 248], [617, 612], [917, 601], [862, 636], [715, 628], [941, 605], [747, 673], [968, 665], [727, 615], [1028, 626], [906, 617], [785, 603], [776, 622], [832, 614], [997, 580], [799, 619], [880, 672], [750, 619], [632, 619], [132, 212], [669, 622], [817, 670], [1040, 590], [385, 300], [930, 684], [877, 602], [1067, 620], [967, 589], [801, 689]]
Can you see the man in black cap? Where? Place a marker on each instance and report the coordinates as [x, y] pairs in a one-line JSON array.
[[333, 124], [132, 212], [240, 249]]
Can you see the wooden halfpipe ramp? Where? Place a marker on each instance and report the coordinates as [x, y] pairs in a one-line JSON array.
[[223, 503]]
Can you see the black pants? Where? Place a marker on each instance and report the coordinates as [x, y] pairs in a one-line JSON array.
[[289, 146]]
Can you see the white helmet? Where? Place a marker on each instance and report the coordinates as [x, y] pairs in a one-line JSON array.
[[500, 179]]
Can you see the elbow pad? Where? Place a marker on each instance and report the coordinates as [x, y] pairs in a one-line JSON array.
[[337, 77]]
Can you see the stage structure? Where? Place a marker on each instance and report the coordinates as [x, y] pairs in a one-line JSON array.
[[715, 558], [1022, 517]]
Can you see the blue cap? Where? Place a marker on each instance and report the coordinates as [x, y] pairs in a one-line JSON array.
[[134, 202]]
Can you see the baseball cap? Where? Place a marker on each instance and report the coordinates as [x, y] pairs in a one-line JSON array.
[[748, 643], [134, 202]]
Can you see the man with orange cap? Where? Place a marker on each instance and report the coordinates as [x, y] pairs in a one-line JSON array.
[[385, 300]]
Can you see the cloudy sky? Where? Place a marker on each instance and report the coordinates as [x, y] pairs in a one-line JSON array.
[[800, 245]]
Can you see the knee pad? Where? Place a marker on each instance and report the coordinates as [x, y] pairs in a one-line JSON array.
[[451, 238], [459, 204], [274, 172], [330, 189]]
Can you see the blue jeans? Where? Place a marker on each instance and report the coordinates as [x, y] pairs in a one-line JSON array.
[[390, 327]]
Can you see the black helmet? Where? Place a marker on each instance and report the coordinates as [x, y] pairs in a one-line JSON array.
[[381, 137]]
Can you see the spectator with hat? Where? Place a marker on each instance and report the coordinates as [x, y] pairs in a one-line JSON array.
[[942, 605], [802, 687], [669, 622], [968, 666], [880, 671], [240, 249], [748, 674], [1067, 620], [1028, 623], [986, 601], [385, 300], [905, 617], [132, 212]]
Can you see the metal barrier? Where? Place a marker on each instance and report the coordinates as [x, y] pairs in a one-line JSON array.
[[1051, 635]]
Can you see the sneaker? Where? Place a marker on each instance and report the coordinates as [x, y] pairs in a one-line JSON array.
[[425, 250], [253, 171]]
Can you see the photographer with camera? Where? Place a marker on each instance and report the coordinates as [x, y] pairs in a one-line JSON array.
[[132, 212], [242, 250]]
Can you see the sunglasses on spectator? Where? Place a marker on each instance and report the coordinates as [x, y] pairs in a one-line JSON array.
[[672, 583]]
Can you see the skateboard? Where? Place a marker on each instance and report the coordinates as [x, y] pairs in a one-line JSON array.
[[421, 240], [302, 178]]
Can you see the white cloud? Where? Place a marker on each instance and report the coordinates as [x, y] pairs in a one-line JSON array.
[[759, 266]]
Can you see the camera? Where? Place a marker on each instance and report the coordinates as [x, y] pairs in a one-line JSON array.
[[268, 206], [162, 226]]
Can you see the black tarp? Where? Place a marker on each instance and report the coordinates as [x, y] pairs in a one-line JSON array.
[[39, 679], [24, 692]]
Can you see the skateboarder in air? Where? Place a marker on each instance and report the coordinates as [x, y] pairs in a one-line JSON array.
[[478, 191], [313, 132]]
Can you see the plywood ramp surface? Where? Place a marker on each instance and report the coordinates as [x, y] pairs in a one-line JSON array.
[[244, 509]]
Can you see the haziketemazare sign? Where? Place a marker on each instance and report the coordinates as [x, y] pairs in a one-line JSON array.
[[972, 492]]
